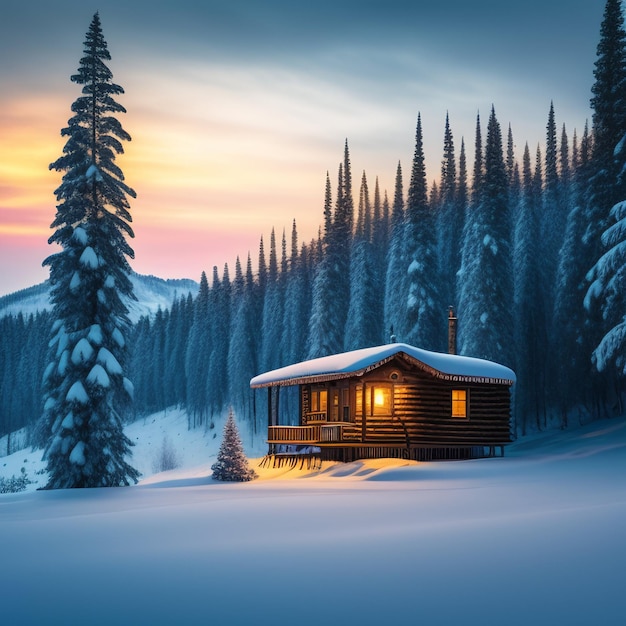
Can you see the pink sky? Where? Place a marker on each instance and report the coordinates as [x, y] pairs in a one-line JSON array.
[[233, 133]]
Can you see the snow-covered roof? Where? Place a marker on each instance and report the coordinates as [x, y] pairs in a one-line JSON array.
[[450, 367]]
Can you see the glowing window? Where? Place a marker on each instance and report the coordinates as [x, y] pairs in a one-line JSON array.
[[459, 403], [335, 406], [378, 400], [319, 401]]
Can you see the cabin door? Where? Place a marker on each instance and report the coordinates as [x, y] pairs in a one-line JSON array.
[[340, 404]]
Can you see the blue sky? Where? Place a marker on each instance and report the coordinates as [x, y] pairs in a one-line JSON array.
[[238, 109]]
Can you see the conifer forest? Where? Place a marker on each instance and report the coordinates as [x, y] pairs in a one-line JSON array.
[[531, 255]]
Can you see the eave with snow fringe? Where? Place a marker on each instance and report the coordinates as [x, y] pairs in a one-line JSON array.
[[450, 367], [394, 400]]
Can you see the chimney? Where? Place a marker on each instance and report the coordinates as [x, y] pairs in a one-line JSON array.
[[451, 331], [392, 337]]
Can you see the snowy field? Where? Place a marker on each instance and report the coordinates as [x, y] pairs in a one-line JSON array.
[[537, 537]]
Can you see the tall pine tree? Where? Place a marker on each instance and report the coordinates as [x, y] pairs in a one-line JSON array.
[[329, 308], [396, 283], [197, 356], [362, 325], [424, 309], [85, 390], [529, 304], [486, 289], [606, 304], [450, 217], [571, 343]]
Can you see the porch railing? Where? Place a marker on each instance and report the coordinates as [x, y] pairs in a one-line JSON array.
[[316, 433], [332, 432], [295, 434]]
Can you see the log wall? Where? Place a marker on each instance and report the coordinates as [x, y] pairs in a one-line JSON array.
[[422, 411]]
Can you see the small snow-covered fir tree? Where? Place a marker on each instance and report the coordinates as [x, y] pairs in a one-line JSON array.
[[85, 390], [231, 464]]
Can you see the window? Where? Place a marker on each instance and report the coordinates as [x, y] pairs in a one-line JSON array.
[[459, 403], [319, 400], [378, 400], [334, 412], [345, 404]]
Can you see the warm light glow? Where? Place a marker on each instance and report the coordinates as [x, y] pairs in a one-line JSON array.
[[319, 401], [379, 400], [229, 138], [459, 403], [379, 397]]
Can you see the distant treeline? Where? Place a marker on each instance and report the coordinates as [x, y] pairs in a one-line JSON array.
[[531, 255]]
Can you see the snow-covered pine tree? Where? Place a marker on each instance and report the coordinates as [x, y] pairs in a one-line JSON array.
[[529, 303], [23, 350], [198, 354], [217, 379], [85, 390], [555, 210], [396, 283], [295, 322], [424, 308], [323, 336], [379, 247], [332, 276], [510, 156], [159, 332], [380, 233], [261, 281], [609, 120], [242, 361], [140, 363], [450, 220], [175, 339], [606, 188], [297, 303], [570, 341], [270, 356], [485, 278], [232, 464], [462, 193], [609, 286], [479, 166], [362, 324]]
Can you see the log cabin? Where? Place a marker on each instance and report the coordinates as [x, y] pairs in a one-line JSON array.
[[394, 401]]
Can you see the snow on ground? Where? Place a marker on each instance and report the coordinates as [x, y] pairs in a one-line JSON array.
[[192, 450], [535, 538]]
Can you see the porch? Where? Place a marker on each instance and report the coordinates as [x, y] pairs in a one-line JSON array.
[[341, 441], [315, 433]]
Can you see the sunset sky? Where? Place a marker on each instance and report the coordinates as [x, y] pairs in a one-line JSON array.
[[237, 109]]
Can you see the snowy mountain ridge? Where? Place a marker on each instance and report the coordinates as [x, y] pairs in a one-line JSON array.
[[152, 293]]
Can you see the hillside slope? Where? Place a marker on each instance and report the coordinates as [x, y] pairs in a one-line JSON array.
[[152, 293]]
